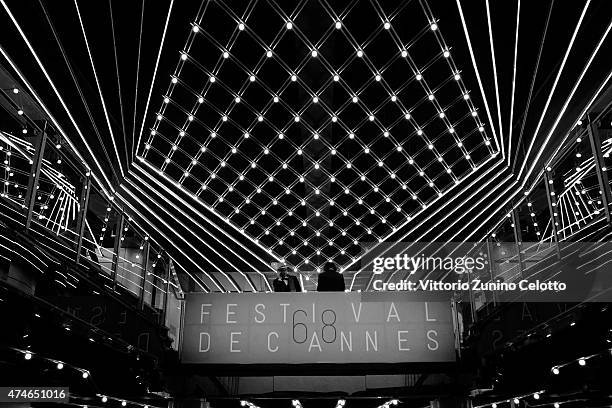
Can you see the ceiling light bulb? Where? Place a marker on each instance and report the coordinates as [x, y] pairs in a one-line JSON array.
[[377, 77], [314, 53], [293, 78], [225, 54], [446, 53], [355, 99], [457, 77], [252, 78], [241, 27], [275, 99], [195, 29], [183, 56], [338, 25], [269, 53], [433, 26], [431, 97], [419, 77], [174, 80], [360, 53], [289, 25], [387, 25], [315, 100]]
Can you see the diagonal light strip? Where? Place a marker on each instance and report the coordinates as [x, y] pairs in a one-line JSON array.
[[161, 47], [119, 93], [493, 61], [550, 95], [134, 146], [511, 124], [484, 96], [93, 67]]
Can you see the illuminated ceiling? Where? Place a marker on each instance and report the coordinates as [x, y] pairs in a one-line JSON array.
[[245, 132]]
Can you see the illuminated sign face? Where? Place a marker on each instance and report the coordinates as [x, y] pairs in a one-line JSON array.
[[310, 328]]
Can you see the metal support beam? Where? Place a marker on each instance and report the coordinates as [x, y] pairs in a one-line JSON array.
[[602, 176], [145, 263], [551, 198], [167, 289], [117, 247], [154, 282], [82, 216], [491, 267], [518, 240], [37, 161]]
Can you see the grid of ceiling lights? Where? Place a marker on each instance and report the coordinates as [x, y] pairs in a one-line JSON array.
[[312, 129]]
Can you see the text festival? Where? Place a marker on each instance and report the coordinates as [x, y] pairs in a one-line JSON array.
[[319, 328]]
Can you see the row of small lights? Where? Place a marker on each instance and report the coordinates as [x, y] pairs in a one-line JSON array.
[[124, 403], [59, 365], [581, 361], [517, 400], [389, 403], [340, 404]]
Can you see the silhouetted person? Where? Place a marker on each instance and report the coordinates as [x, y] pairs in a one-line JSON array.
[[330, 280], [285, 282]]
